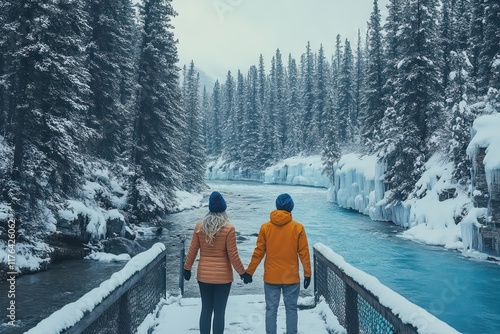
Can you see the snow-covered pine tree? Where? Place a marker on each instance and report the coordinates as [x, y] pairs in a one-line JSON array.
[[229, 140], [50, 97], [250, 128], [280, 116], [417, 96], [393, 50], [399, 151], [194, 150], [375, 80], [265, 153], [490, 53], [331, 144], [240, 107], [461, 116], [214, 135], [269, 118], [111, 63], [446, 39], [159, 118], [9, 12], [337, 63], [308, 102], [321, 96], [461, 24], [295, 126], [346, 95], [476, 40], [335, 87], [205, 112], [359, 88]]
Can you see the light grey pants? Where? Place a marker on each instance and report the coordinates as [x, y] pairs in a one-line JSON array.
[[290, 296]]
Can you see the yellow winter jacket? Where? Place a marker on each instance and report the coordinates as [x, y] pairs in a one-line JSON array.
[[283, 241]]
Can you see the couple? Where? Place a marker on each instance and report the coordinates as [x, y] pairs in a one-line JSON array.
[[281, 240]]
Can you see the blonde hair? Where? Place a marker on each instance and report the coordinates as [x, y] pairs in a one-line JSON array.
[[212, 224]]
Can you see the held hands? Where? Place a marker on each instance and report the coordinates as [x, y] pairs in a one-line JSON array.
[[246, 277], [187, 274], [307, 281]]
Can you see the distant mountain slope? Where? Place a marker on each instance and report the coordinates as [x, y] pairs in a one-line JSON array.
[[206, 80]]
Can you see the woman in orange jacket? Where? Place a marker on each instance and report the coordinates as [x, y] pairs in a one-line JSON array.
[[215, 238], [283, 242]]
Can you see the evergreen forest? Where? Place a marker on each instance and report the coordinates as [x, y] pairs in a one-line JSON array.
[[96, 109]]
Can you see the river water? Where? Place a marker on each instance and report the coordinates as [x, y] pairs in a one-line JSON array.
[[463, 292]]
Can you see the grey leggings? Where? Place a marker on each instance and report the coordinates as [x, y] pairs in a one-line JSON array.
[[213, 300]]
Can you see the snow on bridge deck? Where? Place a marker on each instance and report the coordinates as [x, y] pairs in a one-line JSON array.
[[245, 314]]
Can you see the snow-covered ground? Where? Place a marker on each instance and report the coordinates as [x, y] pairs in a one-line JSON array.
[[245, 314]]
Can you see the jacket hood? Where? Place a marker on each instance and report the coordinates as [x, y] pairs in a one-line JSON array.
[[280, 217]]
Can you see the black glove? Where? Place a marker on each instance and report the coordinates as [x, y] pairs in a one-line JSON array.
[[187, 274], [246, 277], [307, 281]]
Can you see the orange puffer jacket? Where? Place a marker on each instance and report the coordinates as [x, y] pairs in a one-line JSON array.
[[282, 240], [216, 258]]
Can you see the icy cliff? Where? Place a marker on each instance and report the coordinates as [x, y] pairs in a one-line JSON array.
[[484, 150]]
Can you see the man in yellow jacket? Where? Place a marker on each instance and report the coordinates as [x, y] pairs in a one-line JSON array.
[[282, 241]]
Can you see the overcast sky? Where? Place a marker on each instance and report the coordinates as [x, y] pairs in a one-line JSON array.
[[222, 35]]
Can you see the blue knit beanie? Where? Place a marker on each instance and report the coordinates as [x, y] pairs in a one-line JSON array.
[[284, 202], [216, 202]]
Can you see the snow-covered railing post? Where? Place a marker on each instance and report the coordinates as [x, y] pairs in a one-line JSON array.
[[120, 304], [363, 305]]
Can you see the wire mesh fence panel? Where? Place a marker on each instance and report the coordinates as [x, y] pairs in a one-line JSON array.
[[128, 304], [129, 310], [107, 322], [332, 289], [357, 309], [371, 321]]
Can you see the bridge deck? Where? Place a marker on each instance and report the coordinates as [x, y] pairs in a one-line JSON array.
[[245, 314]]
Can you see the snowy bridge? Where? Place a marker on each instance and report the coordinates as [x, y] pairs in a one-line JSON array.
[[134, 300]]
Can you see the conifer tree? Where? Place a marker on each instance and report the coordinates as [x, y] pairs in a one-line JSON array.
[[321, 95], [476, 45], [490, 52], [346, 95], [393, 48], [250, 126], [6, 65], [294, 138], [228, 123], [195, 158], [214, 135], [308, 101], [49, 99], [418, 97], [265, 142], [279, 116], [269, 118], [159, 120], [331, 148], [447, 39], [359, 87], [461, 24], [336, 68], [375, 80], [461, 116], [206, 108], [111, 58]]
